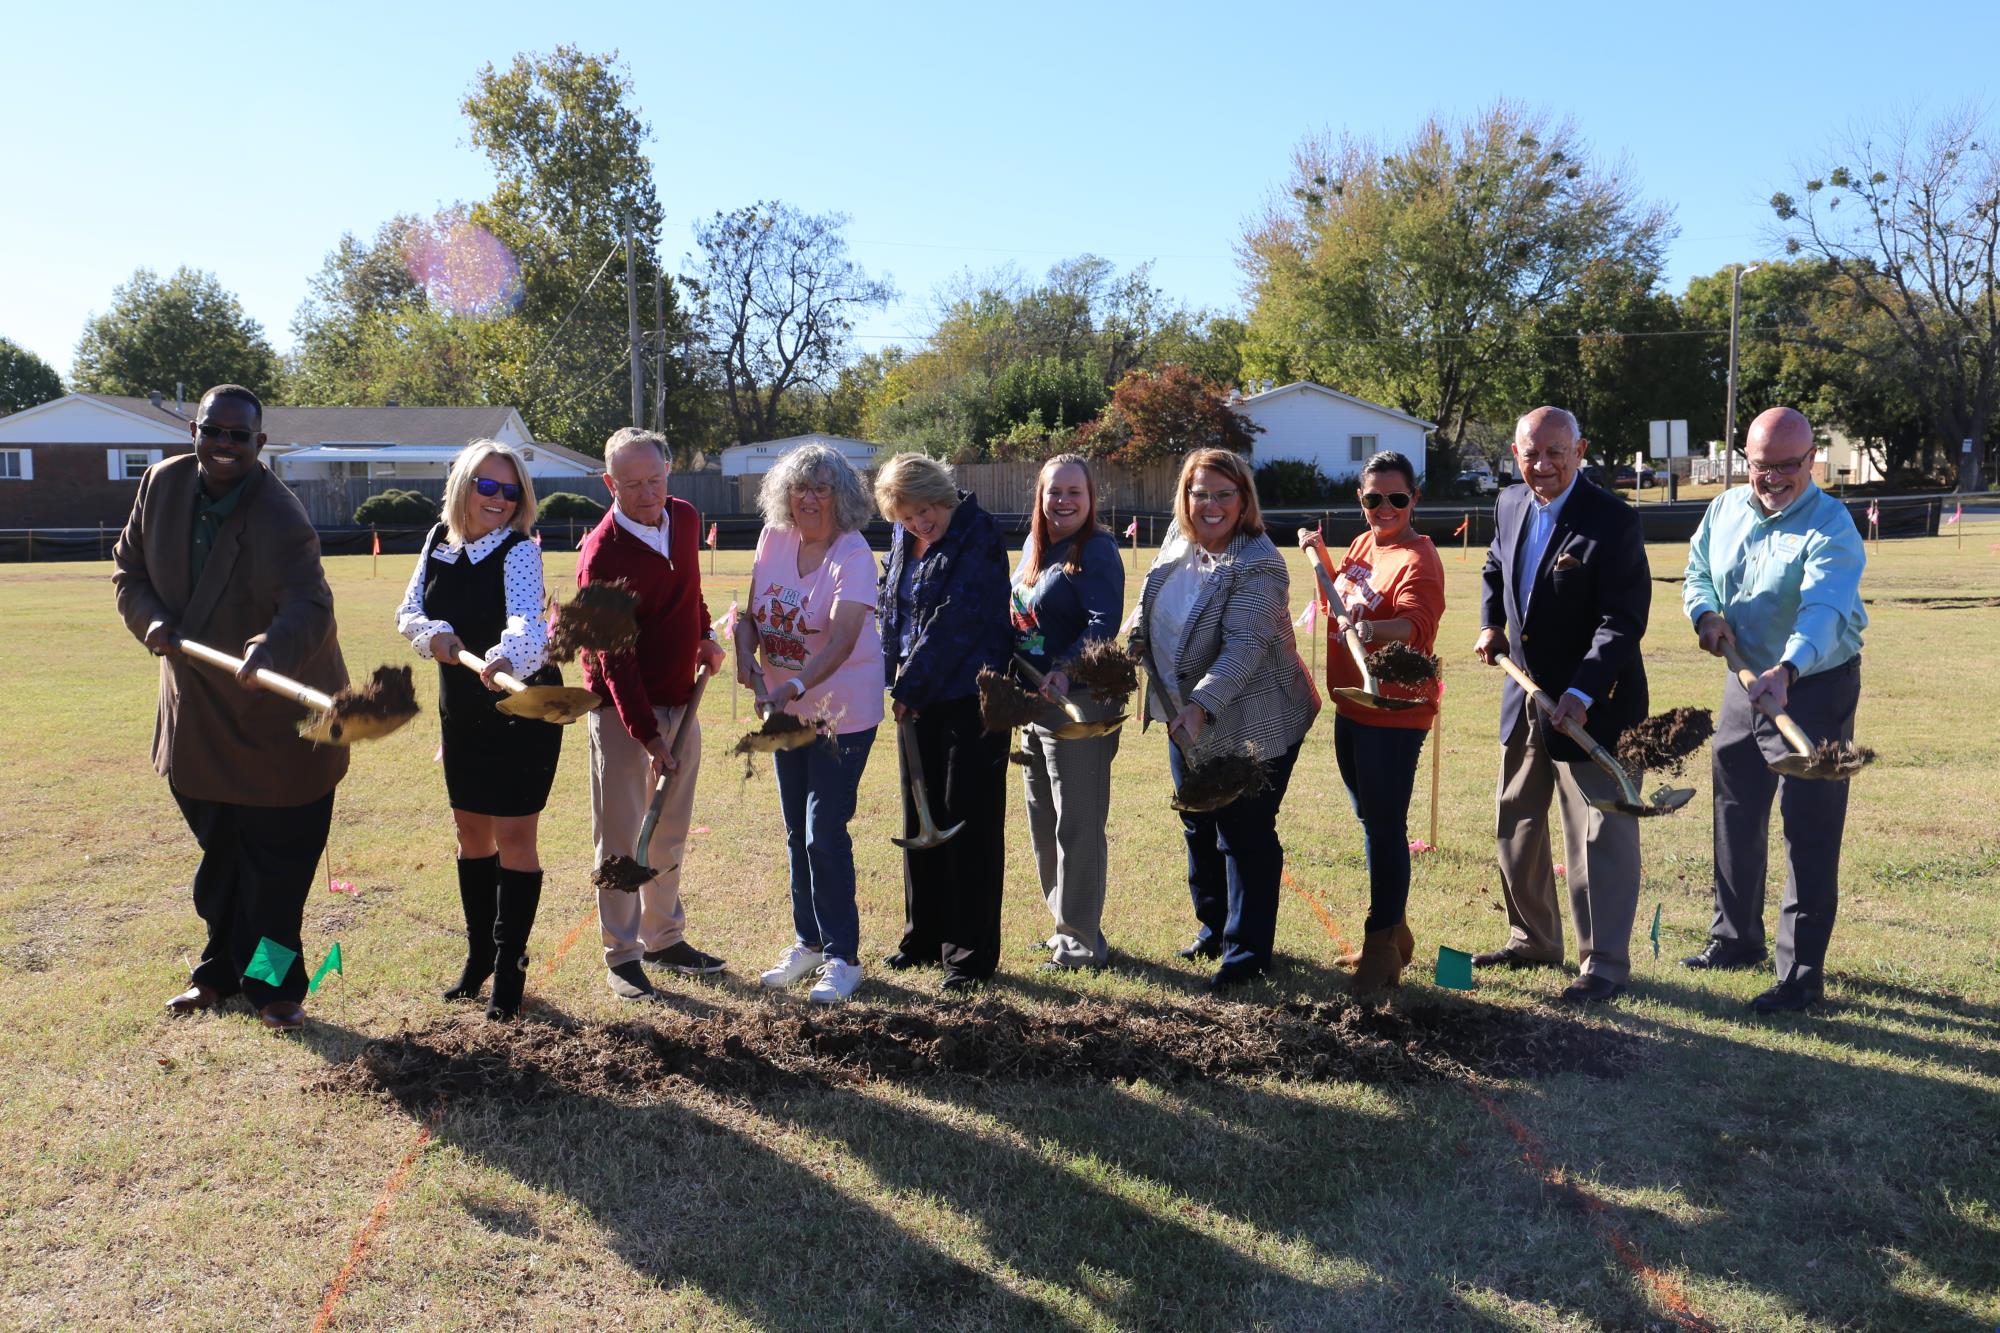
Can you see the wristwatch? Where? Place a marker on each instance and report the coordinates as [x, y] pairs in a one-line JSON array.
[[1364, 631], [1791, 674]]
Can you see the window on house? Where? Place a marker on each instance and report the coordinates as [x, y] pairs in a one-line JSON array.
[[1360, 448], [129, 464], [16, 465]]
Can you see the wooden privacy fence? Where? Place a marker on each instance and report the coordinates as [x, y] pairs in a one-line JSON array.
[[331, 502], [1009, 488]]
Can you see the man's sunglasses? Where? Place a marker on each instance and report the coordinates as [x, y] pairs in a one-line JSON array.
[[1372, 500], [233, 434], [488, 486]]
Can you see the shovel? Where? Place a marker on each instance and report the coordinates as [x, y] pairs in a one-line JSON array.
[[327, 728], [560, 704], [627, 873], [1836, 762], [1370, 694], [928, 833], [1078, 727], [1665, 801]]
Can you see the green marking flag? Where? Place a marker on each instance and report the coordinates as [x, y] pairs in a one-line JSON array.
[[332, 964], [1454, 969], [1656, 928], [271, 961]]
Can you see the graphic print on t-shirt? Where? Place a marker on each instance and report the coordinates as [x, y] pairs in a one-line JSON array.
[[780, 617], [1027, 626], [1354, 586]]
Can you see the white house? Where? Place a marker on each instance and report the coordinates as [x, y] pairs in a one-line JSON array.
[[754, 460], [1314, 424], [402, 443]]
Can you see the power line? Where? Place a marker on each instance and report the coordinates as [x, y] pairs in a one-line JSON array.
[[535, 360]]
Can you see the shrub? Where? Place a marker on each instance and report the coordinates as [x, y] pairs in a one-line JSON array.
[[568, 506], [1291, 481], [396, 509]]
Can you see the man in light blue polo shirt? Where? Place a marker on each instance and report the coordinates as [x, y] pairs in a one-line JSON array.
[[1774, 571]]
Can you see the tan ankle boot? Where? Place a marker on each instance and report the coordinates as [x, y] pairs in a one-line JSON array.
[[1381, 963], [1406, 945]]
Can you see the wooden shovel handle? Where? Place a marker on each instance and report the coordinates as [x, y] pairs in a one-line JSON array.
[[296, 691], [1790, 730], [1545, 703], [1323, 574], [474, 662]]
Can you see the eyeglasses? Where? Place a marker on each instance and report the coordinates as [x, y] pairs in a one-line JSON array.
[[1786, 468], [234, 434], [488, 486], [817, 489], [1374, 499], [1219, 497]]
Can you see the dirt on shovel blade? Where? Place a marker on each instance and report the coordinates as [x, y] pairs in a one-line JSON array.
[[1664, 742], [1004, 705], [780, 731], [1229, 775], [389, 692], [773, 1050], [1400, 664], [620, 874], [1842, 757], [599, 619], [1109, 672]]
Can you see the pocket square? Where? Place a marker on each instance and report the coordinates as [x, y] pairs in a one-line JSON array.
[[1566, 562]]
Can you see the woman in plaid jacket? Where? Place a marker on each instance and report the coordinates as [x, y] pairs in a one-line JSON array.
[[1215, 632]]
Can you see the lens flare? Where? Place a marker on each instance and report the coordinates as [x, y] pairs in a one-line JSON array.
[[464, 269]]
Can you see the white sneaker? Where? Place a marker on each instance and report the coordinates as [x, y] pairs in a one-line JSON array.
[[838, 979], [794, 964]]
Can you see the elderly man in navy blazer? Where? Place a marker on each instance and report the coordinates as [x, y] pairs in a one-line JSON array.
[[1566, 596]]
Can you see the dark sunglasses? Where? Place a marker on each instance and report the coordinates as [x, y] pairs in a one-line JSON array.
[[234, 434], [488, 486], [1372, 500]]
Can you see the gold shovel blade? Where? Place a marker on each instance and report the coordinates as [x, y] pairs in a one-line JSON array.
[[560, 704], [326, 729], [1378, 702], [1078, 731]]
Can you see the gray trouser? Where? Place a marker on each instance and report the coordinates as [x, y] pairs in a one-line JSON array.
[[1602, 847], [1069, 800], [1813, 811], [621, 787]]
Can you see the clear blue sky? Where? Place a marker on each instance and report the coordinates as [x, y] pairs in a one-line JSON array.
[[244, 140]]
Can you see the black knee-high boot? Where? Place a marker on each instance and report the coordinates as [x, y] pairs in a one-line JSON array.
[[477, 893], [520, 895]]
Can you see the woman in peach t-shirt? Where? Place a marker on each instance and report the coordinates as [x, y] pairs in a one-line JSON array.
[[1391, 587]]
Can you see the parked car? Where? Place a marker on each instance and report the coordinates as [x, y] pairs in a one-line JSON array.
[[1645, 476], [1478, 483]]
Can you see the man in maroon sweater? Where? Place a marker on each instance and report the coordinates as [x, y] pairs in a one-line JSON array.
[[652, 542]]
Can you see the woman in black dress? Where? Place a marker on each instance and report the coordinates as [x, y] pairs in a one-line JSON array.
[[477, 589]]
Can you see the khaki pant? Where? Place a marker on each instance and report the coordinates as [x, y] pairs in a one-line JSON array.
[[1603, 858], [621, 787]]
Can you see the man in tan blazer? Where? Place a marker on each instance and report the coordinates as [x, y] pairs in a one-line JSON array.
[[218, 551]]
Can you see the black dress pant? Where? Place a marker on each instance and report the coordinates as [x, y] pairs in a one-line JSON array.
[[1814, 814], [951, 894], [257, 867]]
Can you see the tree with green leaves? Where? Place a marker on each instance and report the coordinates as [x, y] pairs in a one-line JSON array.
[[187, 329], [25, 379], [1414, 277], [778, 294], [1917, 245]]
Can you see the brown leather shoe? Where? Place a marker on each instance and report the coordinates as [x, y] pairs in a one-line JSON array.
[[1406, 945], [1381, 965], [283, 1015], [193, 1000]]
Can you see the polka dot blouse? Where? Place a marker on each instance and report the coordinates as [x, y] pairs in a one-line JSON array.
[[525, 641]]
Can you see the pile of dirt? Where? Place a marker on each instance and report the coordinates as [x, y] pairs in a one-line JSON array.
[[1004, 705], [1108, 672], [780, 1050], [1665, 741], [601, 618], [620, 874], [384, 702], [1214, 783], [1400, 664]]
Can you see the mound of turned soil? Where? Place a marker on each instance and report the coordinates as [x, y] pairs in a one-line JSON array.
[[774, 1050], [599, 619], [1109, 672], [620, 874], [1665, 741], [1400, 664], [1003, 704]]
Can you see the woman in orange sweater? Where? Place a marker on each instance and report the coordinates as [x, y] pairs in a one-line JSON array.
[[1390, 586]]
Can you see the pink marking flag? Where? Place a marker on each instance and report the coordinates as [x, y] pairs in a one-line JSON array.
[[711, 536], [1308, 617], [1132, 528], [728, 625], [1874, 513], [538, 538], [1463, 524], [1956, 511]]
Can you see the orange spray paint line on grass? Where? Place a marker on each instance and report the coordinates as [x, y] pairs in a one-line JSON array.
[[376, 1217], [1319, 909]]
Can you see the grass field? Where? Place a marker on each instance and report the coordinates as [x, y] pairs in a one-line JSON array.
[[1837, 1170]]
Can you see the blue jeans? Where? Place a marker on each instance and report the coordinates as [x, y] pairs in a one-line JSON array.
[[816, 786], [1379, 766], [1234, 862]]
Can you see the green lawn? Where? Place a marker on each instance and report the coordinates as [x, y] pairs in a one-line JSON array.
[[1837, 1170]]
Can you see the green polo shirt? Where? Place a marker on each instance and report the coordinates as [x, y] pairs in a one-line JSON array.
[[208, 517]]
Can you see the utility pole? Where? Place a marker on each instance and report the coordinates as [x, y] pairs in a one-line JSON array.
[[632, 329], [1729, 410], [660, 350]]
